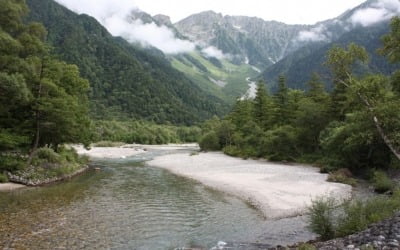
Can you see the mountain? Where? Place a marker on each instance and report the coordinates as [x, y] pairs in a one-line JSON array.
[[219, 77], [293, 50], [126, 81], [298, 67], [363, 25], [245, 39]]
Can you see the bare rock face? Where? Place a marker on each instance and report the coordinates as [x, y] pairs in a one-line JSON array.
[[255, 40], [163, 20]]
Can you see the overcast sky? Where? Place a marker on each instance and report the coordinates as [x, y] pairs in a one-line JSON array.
[[288, 11]]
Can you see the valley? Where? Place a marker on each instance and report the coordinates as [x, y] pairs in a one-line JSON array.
[[127, 129]]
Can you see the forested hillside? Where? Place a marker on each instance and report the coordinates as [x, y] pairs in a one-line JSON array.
[[300, 65], [126, 81]]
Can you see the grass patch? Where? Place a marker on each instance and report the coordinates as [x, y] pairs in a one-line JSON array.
[[321, 217], [381, 182], [342, 175], [351, 217]]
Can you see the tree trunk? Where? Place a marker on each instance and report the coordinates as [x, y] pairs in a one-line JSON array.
[[377, 124], [37, 117]]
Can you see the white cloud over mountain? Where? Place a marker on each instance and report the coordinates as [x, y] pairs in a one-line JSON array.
[[115, 18], [380, 11]]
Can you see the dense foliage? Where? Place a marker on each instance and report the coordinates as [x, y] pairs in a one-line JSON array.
[[143, 132], [43, 101], [356, 126], [126, 81]]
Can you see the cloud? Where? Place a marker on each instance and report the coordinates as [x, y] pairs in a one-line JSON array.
[[212, 51], [380, 11], [160, 37], [115, 18], [316, 34]]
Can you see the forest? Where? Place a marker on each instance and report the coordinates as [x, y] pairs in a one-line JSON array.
[[355, 126]]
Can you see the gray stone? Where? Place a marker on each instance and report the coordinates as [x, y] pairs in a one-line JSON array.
[[381, 238], [393, 244]]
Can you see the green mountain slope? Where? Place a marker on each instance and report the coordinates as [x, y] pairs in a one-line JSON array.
[[218, 77], [126, 82], [298, 67]]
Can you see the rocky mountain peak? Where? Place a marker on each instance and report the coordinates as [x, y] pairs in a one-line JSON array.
[[163, 19]]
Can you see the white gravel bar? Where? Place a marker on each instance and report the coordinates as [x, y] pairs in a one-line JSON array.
[[278, 190]]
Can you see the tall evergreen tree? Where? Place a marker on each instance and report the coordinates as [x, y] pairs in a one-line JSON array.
[[262, 107]]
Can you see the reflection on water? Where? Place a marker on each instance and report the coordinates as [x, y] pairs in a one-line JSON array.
[[127, 205]]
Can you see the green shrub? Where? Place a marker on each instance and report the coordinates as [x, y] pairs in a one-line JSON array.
[[381, 182], [11, 163], [359, 214], [68, 154], [210, 142], [321, 217], [3, 178], [46, 155], [342, 175], [232, 151], [352, 216]]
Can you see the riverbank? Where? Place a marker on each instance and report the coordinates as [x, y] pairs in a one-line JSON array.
[[129, 150], [25, 177], [277, 190]]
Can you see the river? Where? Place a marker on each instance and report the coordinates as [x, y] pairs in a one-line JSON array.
[[128, 205]]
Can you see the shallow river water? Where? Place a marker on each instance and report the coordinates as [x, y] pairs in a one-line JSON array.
[[128, 205]]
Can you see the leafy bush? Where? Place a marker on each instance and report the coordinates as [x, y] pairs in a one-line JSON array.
[[210, 142], [381, 182], [321, 217], [46, 155], [342, 175], [3, 178], [11, 163], [358, 215]]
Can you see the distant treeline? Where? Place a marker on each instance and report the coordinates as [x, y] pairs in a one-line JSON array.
[[143, 132]]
